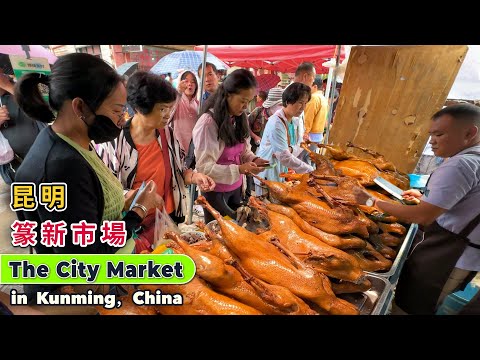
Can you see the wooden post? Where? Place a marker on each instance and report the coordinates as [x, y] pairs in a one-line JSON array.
[[389, 95]]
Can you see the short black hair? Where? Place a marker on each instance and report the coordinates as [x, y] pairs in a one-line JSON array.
[[145, 89], [262, 95], [463, 112], [294, 92], [207, 64], [318, 81], [304, 67]]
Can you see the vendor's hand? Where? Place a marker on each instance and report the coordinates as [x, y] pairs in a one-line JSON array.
[[411, 195], [250, 167], [148, 194], [261, 162], [204, 182], [306, 136], [4, 114]]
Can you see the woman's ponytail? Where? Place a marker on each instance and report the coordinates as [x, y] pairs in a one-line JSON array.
[[29, 98]]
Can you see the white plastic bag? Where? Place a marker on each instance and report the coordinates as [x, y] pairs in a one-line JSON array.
[[6, 151], [163, 223]]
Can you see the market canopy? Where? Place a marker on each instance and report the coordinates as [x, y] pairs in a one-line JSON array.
[[467, 82], [284, 58]]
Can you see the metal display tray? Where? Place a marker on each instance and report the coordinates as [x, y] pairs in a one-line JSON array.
[[393, 273], [397, 265], [371, 302]]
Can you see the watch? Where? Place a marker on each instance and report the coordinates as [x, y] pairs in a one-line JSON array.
[[370, 201]]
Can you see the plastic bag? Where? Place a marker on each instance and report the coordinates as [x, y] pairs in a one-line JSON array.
[[6, 151], [163, 223]]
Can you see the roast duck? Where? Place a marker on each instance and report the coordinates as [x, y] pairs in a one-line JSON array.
[[320, 214], [293, 257], [269, 260], [365, 169], [240, 285]]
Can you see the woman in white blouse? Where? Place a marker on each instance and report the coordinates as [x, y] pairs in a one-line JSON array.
[[281, 136]]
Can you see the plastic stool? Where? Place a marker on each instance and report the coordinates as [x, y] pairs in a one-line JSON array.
[[454, 303]]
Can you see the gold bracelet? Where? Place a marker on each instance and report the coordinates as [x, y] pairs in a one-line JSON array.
[[140, 206]]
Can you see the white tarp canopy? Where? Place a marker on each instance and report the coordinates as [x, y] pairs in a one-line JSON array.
[[467, 82]]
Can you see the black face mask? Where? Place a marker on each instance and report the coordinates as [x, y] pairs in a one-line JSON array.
[[103, 130]]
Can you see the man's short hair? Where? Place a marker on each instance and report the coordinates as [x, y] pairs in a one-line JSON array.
[[463, 112], [307, 67], [214, 68], [318, 81]]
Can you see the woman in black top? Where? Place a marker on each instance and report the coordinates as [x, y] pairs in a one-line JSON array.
[[88, 96]]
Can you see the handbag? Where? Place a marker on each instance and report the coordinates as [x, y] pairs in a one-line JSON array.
[[6, 151]]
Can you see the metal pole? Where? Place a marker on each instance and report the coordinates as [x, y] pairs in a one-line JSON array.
[[329, 83], [26, 48], [332, 94], [202, 82]]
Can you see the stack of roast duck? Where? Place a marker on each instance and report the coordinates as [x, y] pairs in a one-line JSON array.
[[298, 252]]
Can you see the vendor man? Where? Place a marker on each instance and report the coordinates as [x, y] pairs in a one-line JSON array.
[[449, 255]]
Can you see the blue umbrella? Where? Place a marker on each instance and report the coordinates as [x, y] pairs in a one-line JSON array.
[[185, 60], [127, 68]]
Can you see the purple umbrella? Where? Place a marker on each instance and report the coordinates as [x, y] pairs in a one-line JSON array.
[[28, 51]]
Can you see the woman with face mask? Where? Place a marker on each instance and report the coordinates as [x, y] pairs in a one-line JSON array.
[[148, 150], [88, 97], [222, 141]]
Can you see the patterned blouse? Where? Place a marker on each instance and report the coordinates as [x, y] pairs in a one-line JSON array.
[[121, 156]]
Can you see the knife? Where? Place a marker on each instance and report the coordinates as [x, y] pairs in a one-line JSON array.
[[394, 190]]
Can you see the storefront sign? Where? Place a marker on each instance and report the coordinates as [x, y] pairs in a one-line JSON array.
[[21, 65]]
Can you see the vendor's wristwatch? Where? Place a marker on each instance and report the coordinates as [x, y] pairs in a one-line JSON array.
[[370, 201]]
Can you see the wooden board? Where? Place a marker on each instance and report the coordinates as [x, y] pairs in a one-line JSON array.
[[389, 95]]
